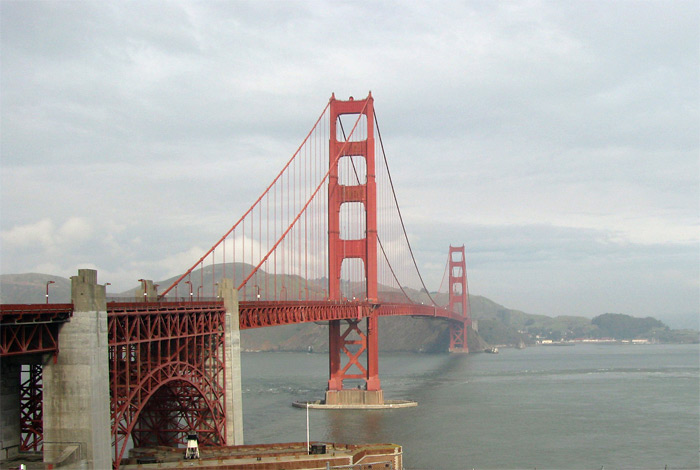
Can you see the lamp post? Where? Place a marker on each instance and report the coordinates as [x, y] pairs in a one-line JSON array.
[[190, 283], [47, 289], [145, 292], [199, 290]]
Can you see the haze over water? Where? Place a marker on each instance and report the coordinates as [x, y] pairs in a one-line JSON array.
[[581, 407]]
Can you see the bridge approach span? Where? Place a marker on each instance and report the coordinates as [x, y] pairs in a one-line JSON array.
[[259, 314]]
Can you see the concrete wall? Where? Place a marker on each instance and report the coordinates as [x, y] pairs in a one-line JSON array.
[[9, 409], [76, 387], [232, 343], [147, 291], [354, 397]]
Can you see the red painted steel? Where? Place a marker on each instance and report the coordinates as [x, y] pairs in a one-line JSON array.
[[264, 314], [31, 409], [459, 300], [269, 199], [364, 249], [166, 359], [31, 328], [167, 374]]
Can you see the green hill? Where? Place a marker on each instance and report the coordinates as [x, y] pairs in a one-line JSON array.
[[496, 324], [30, 288]]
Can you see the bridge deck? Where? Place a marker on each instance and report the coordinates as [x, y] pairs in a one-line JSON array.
[[33, 328]]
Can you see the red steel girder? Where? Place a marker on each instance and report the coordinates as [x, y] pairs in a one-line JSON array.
[[23, 313], [31, 409], [394, 309], [158, 350], [31, 328], [366, 193], [360, 342], [459, 292], [458, 336], [459, 298], [263, 313], [339, 347], [161, 350]]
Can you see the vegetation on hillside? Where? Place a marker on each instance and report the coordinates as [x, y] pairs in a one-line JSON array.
[[496, 324], [619, 326]]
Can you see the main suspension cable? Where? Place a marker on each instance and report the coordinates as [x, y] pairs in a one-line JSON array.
[[303, 209], [403, 227], [379, 240]]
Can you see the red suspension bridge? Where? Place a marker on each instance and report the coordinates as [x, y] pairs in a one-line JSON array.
[[325, 242]]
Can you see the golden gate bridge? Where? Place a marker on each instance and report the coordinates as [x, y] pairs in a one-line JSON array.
[[325, 242]]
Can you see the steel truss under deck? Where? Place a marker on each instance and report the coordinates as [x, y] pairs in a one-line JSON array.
[[167, 375]]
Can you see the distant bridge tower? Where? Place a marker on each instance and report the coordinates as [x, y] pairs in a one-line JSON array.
[[459, 299], [364, 249]]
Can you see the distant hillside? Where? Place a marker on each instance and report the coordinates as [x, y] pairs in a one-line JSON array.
[[616, 325], [496, 324], [396, 333], [30, 288]]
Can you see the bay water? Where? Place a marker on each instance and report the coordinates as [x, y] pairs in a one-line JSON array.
[[580, 407]]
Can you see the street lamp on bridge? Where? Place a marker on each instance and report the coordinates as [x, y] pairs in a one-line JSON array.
[[190, 283], [145, 291], [47, 289]]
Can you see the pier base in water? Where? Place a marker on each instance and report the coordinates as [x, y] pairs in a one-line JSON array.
[[459, 350], [354, 397], [354, 400]]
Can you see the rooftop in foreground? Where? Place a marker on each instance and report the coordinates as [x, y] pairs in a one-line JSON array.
[[271, 457]]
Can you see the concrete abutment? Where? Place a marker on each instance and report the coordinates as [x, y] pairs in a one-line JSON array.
[[9, 409], [232, 354], [76, 402], [352, 397]]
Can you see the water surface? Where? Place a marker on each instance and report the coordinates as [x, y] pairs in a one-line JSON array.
[[581, 407]]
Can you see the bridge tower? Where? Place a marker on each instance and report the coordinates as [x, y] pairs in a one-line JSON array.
[[459, 300], [364, 249]]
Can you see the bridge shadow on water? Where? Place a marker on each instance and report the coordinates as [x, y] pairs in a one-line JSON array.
[[417, 377]]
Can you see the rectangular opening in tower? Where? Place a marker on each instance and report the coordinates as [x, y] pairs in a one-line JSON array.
[[352, 170], [353, 281], [346, 122], [353, 221]]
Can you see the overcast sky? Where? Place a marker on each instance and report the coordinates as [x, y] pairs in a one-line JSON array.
[[559, 141]]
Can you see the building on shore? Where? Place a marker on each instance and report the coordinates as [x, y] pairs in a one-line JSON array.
[[296, 455]]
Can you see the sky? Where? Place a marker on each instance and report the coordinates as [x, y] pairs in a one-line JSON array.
[[558, 141]]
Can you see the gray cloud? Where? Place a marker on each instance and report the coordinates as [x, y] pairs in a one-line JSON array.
[[559, 142]]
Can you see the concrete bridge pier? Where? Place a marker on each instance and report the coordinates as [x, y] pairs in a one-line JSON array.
[[232, 354], [76, 384], [9, 409]]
